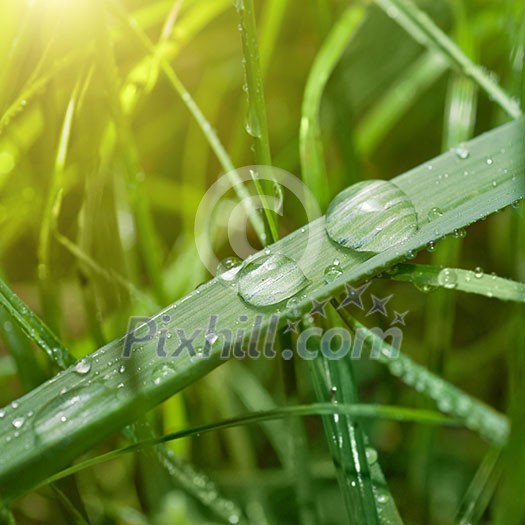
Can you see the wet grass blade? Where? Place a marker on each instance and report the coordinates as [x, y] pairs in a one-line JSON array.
[[470, 281]]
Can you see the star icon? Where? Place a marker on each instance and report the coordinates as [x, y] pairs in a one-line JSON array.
[[379, 305], [354, 296], [318, 307], [399, 318], [293, 326]]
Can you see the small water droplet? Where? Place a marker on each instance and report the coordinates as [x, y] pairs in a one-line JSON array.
[[82, 367], [211, 338], [331, 273], [494, 183], [411, 254], [478, 272], [122, 369], [461, 152], [459, 233], [371, 455], [431, 247], [489, 161], [2, 413], [371, 216], [434, 213], [270, 279], [228, 269], [18, 422], [161, 371], [448, 278]]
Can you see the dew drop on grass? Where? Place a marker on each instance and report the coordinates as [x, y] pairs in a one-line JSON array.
[[228, 269], [69, 409], [331, 273], [18, 422], [431, 247], [270, 279], [371, 216], [161, 371], [434, 214], [371, 455], [83, 367], [448, 278], [461, 152], [478, 272]]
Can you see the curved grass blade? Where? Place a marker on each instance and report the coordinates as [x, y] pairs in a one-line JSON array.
[[426, 32], [102, 408], [470, 281], [310, 144], [357, 411]]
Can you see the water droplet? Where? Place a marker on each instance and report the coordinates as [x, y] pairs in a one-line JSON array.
[[18, 422], [2, 413], [228, 269], [69, 409], [448, 278], [371, 216], [331, 273], [83, 367], [270, 279], [462, 152], [411, 254], [431, 247], [122, 369], [494, 183], [459, 233], [433, 214], [161, 371], [211, 337], [489, 161], [371, 455], [478, 272]]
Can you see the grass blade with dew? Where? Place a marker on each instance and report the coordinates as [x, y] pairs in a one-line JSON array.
[[257, 119], [102, 408], [427, 33], [310, 143], [470, 281]]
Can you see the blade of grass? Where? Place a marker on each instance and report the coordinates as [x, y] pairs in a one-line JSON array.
[[257, 120], [102, 408], [462, 280], [310, 143], [357, 411], [426, 32]]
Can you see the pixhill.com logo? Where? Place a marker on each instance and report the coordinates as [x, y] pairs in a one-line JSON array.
[[256, 336]]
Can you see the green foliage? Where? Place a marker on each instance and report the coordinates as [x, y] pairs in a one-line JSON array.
[[115, 118]]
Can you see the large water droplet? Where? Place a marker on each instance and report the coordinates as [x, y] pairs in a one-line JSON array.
[[371, 216], [270, 279], [18, 422], [332, 272], [69, 409]]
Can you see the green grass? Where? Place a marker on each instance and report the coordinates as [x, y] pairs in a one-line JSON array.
[[115, 118]]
